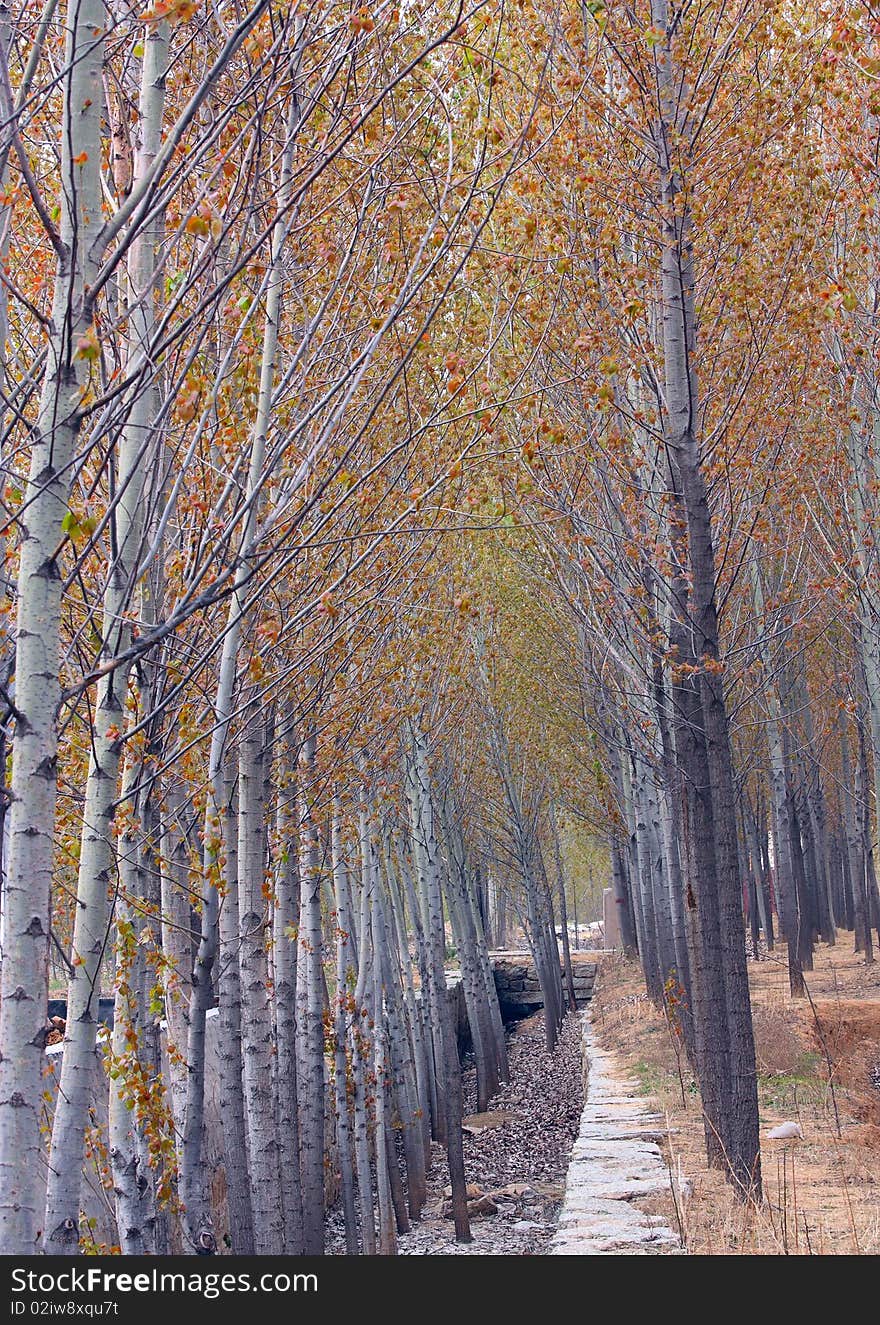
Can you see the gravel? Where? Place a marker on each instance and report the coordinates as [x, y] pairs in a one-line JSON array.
[[520, 1164]]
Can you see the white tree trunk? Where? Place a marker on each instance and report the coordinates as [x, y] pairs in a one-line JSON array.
[[413, 1007], [387, 1227], [29, 870], [130, 1044], [361, 1049], [256, 1019], [197, 1220], [399, 1058], [177, 947], [285, 949], [230, 1068], [96, 845], [346, 975], [311, 1079], [446, 1048]]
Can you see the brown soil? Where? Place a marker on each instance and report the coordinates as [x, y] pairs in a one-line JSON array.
[[818, 1063]]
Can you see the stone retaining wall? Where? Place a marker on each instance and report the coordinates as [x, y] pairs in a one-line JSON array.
[[519, 990]]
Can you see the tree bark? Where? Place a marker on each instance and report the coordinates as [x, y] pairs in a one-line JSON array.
[[229, 1050], [445, 1041], [256, 1019], [26, 903], [703, 728], [78, 1069], [286, 952], [312, 1028]]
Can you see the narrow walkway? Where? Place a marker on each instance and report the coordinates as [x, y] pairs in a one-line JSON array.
[[615, 1160]]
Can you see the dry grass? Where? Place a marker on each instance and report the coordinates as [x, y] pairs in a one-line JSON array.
[[822, 1193], [779, 1047]]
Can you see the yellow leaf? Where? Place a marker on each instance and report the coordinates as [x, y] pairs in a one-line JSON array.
[[88, 346]]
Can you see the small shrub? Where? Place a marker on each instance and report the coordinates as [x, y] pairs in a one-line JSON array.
[[779, 1048]]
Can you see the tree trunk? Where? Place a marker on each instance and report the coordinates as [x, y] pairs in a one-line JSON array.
[[31, 819], [346, 978], [256, 1015], [445, 1041], [177, 946], [230, 1064], [708, 764], [78, 1069], [384, 1160], [286, 950], [312, 1028], [563, 914], [644, 812]]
